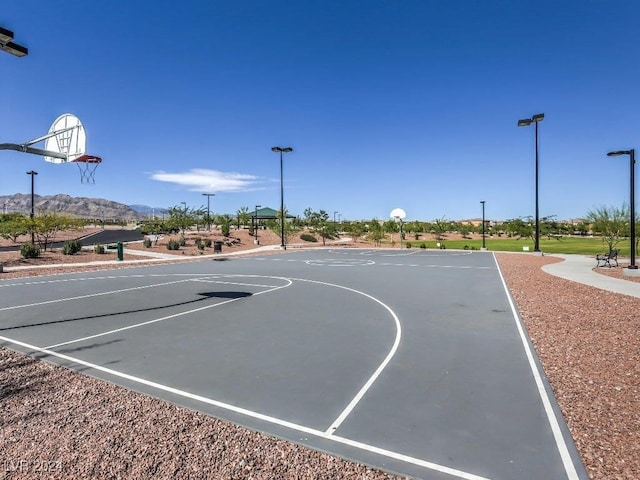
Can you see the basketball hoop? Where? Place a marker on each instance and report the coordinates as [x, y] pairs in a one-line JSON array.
[[87, 164]]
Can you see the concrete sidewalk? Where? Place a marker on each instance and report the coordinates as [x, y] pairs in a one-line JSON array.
[[151, 257], [579, 268]]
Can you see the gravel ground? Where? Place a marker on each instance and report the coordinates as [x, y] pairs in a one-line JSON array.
[[59, 424]]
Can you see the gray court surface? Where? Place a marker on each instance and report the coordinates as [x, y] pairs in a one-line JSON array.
[[414, 361]]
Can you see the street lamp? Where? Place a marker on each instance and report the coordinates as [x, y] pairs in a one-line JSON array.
[[484, 247], [208, 195], [255, 224], [525, 123], [33, 174], [6, 44], [282, 150], [334, 217], [632, 161]]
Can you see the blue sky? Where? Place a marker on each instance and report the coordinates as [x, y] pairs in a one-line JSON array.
[[410, 104]]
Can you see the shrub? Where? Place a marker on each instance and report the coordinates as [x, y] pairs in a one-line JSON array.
[[408, 244], [207, 242], [147, 243], [71, 247], [29, 250], [99, 249], [307, 237], [183, 241], [199, 243], [173, 245], [423, 245]]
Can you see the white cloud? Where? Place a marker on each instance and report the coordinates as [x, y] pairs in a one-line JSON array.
[[203, 180]]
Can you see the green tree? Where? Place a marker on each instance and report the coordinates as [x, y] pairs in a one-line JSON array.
[[13, 225], [225, 225], [375, 232], [243, 217], [465, 229], [290, 228], [610, 222], [439, 228], [517, 227], [319, 224], [154, 227], [355, 229], [181, 218], [46, 226]]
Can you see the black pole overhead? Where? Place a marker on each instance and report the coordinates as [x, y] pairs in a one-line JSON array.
[[33, 174], [209, 195], [484, 247], [282, 150], [632, 161], [538, 117], [255, 224]]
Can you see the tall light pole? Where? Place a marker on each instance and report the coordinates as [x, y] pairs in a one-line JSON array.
[[33, 174], [282, 150], [525, 123], [208, 195], [632, 161], [334, 217], [255, 224], [484, 247]]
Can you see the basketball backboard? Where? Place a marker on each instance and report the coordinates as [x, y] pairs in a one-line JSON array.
[[66, 136]]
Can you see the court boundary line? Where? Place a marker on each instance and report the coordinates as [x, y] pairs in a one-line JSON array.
[[563, 450], [249, 413]]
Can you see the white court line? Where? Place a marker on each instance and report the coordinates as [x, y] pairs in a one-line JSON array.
[[168, 317], [256, 415], [110, 292], [105, 277], [239, 284], [363, 390], [563, 450]]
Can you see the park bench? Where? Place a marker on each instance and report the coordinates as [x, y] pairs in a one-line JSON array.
[[607, 258]]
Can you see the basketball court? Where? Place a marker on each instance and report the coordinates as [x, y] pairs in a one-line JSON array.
[[413, 361]]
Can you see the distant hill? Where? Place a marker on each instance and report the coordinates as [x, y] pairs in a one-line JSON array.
[[146, 210], [72, 206]]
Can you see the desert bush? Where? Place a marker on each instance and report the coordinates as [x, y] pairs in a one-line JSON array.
[[71, 247], [147, 243], [207, 242], [307, 237], [408, 244], [182, 241], [173, 245], [423, 245], [29, 250], [99, 249]]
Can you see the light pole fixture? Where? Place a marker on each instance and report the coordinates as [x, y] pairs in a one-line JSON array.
[[208, 195], [33, 174], [525, 123], [282, 150], [255, 224], [484, 247], [7, 45], [632, 161]]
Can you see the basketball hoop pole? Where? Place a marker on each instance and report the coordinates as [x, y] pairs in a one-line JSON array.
[[25, 148]]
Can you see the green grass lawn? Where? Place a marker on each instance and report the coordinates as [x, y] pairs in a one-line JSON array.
[[580, 245]]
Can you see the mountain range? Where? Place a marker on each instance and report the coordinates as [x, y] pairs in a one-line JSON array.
[[76, 206]]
